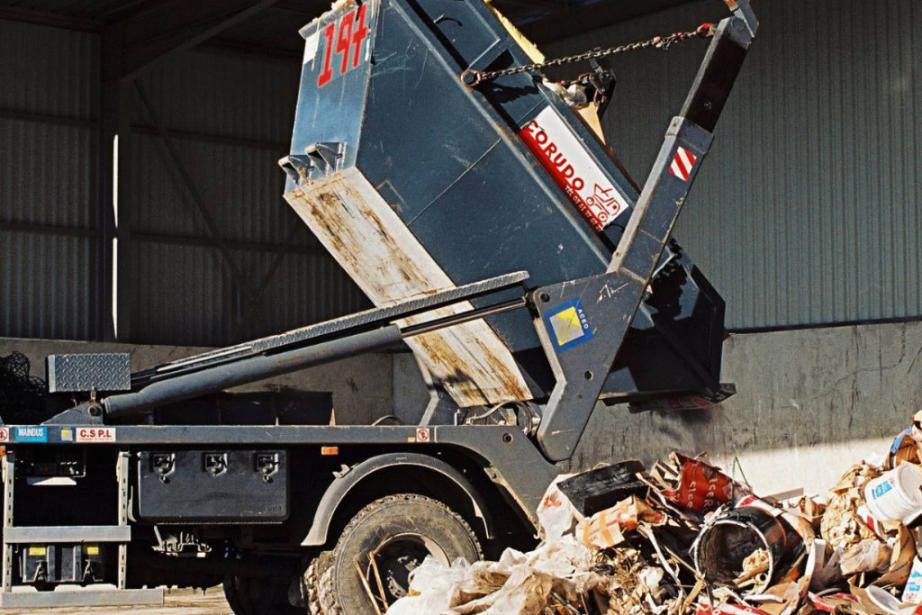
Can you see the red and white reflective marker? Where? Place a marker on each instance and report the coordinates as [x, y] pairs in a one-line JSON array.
[[422, 435], [682, 164], [4, 434]]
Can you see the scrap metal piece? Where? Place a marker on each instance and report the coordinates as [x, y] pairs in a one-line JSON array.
[[746, 547], [601, 488]]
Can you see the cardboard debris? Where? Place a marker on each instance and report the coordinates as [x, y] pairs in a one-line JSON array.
[[866, 556], [608, 528], [841, 524], [686, 539]]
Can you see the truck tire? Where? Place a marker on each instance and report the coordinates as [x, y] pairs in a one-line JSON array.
[[402, 530], [258, 596]]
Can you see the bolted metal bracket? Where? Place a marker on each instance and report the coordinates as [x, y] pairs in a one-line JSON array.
[[318, 160], [743, 10], [87, 413]]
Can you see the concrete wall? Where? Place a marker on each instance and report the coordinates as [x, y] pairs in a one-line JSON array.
[[810, 403], [410, 393], [361, 386]]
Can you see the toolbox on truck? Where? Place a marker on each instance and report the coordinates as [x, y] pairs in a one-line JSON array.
[[211, 486], [412, 197]]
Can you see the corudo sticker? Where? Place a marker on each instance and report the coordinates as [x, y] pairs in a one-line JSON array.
[[573, 169]]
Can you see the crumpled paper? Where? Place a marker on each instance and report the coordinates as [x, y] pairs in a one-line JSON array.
[[521, 583], [841, 525], [435, 588]]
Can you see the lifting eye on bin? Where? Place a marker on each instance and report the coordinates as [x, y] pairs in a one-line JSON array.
[[318, 160], [325, 157]]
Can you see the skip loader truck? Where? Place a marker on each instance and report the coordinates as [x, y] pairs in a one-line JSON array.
[[476, 204]]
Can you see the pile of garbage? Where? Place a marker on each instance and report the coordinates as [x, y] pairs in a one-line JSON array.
[[682, 537]]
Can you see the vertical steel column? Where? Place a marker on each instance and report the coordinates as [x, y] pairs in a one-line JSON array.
[[121, 474], [9, 478]]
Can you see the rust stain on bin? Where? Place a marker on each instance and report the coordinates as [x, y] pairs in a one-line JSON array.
[[389, 264]]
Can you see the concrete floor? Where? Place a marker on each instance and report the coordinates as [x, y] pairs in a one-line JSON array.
[[181, 602]]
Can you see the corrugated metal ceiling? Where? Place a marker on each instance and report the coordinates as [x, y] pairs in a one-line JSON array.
[[101, 10], [275, 28]]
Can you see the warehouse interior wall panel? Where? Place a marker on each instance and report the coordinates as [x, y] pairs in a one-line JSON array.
[[186, 291], [178, 291], [48, 70], [45, 285], [808, 209], [48, 102], [247, 266], [255, 269], [239, 186], [45, 179], [225, 93], [807, 213]]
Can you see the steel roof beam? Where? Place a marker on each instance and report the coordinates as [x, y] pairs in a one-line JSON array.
[[151, 36], [51, 20]]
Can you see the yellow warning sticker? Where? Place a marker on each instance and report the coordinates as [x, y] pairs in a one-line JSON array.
[[92, 550], [568, 325], [37, 551]]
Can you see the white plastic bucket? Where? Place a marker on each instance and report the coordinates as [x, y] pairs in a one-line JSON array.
[[897, 495]]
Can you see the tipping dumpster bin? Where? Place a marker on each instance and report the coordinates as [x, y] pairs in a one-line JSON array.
[[416, 182]]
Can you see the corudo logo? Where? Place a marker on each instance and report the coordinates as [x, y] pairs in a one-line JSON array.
[[573, 169], [553, 155]]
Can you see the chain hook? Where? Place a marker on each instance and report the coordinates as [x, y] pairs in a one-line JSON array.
[[706, 30], [472, 77]]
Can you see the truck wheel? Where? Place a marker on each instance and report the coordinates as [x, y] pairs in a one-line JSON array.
[[258, 596], [399, 531]]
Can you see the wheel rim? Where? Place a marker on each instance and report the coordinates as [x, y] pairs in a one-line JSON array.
[[391, 562]]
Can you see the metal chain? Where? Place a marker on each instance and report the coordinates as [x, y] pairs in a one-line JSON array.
[[473, 77]]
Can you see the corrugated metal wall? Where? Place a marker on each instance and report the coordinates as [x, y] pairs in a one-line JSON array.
[[808, 210], [46, 192], [228, 117]]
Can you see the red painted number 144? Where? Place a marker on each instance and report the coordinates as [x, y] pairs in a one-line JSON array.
[[345, 38]]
